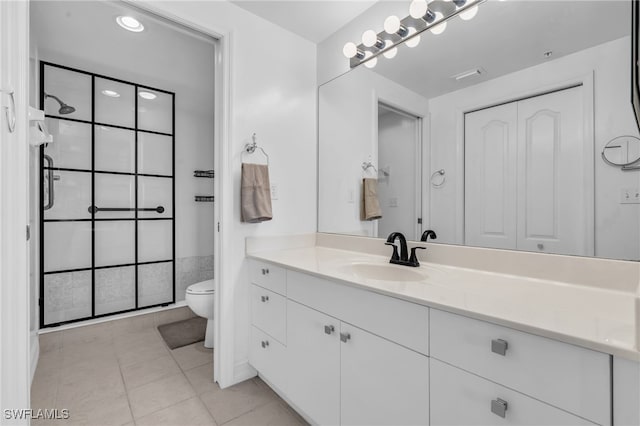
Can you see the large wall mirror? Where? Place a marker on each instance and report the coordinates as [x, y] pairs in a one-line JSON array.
[[491, 133]]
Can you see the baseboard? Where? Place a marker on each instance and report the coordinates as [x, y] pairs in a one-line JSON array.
[[282, 395], [34, 344], [242, 371]]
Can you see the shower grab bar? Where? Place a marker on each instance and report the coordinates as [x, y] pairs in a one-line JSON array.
[[95, 209], [51, 178]]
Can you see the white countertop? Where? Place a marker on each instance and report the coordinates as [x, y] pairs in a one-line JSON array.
[[597, 318]]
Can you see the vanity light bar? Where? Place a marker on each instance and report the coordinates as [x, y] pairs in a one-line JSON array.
[[360, 54]]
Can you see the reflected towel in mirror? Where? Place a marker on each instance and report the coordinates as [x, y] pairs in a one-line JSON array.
[[255, 193], [370, 205]]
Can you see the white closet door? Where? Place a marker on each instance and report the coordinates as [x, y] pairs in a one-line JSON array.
[[554, 175], [490, 177]]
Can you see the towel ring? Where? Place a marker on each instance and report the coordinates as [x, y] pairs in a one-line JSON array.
[[250, 148], [443, 178]]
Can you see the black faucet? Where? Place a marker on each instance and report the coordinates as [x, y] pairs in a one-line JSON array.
[[403, 258], [428, 233]]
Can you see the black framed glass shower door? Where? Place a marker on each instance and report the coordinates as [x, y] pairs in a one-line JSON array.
[[107, 240]]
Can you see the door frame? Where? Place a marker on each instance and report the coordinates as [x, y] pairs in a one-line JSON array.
[[224, 326], [533, 90], [15, 374], [418, 152]]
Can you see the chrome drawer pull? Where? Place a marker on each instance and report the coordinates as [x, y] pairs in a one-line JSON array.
[[345, 337], [265, 271], [329, 329], [499, 407], [265, 343], [499, 346], [264, 298]]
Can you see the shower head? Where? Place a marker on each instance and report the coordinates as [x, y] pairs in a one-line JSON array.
[[64, 108]]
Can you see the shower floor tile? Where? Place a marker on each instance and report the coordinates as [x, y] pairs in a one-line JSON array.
[[98, 374]]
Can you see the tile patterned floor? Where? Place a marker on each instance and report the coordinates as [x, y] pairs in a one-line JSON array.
[[122, 373]]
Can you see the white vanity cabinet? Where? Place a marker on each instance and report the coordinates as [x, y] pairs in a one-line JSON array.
[[568, 377]]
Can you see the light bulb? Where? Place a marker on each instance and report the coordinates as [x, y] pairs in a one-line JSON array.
[[392, 24], [418, 8], [412, 42], [371, 62], [439, 29], [391, 53], [350, 50], [468, 14], [369, 38]]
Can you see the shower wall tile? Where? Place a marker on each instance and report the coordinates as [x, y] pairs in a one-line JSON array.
[[114, 242], [72, 195], [67, 296], [155, 153], [67, 245], [115, 103], [154, 192], [115, 149], [114, 191], [72, 144], [71, 87], [155, 283], [154, 240], [115, 289], [191, 270], [155, 114]]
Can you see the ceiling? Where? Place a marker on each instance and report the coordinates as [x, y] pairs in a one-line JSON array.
[[504, 37], [314, 20]]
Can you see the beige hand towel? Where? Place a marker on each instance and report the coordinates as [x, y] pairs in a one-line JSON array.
[[255, 193], [370, 205]]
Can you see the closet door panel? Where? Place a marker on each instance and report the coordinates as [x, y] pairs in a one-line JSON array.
[[490, 177], [554, 175]]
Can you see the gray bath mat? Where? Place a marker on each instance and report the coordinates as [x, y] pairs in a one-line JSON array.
[[183, 333]]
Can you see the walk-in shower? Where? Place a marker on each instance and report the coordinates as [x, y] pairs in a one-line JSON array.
[[107, 196]]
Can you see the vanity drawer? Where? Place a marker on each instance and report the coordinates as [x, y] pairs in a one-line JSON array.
[[268, 276], [563, 375], [269, 312], [397, 320], [268, 356], [461, 398]]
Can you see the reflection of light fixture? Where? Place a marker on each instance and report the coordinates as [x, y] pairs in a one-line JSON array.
[[391, 53], [371, 62], [130, 23], [441, 26], [147, 95], [110, 93], [408, 30], [413, 42], [468, 14]]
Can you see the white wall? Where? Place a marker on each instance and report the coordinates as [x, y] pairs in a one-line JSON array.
[[272, 93], [348, 136], [617, 226]]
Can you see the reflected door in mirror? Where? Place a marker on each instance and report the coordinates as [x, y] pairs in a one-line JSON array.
[[529, 177]]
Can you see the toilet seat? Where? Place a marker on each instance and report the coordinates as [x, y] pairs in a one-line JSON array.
[[204, 287]]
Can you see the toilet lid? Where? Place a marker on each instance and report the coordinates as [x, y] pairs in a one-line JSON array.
[[203, 287]]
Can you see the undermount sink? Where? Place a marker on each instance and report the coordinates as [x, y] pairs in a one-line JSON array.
[[383, 272]]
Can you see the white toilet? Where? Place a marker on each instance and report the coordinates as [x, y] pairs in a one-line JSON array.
[[200, 299]]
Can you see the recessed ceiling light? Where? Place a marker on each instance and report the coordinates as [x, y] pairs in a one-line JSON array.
[[130, 23], [111, 93], [147, 95]]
